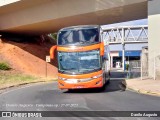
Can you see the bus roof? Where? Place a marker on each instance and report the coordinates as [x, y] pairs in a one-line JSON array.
[[79, 26]]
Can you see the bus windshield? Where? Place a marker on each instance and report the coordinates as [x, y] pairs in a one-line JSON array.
[[77, 36], [79, 62]]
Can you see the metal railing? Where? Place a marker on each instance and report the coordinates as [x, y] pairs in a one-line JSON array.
[[126, 34]]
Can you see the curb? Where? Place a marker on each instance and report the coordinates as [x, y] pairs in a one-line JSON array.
[[25, 83], [146, 92]]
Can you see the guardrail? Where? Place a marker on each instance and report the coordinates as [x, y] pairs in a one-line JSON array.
[[125, 35]]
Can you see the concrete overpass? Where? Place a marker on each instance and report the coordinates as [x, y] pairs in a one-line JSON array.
[[44, 16]]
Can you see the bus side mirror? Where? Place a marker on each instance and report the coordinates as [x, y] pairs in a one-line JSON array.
[[102, 49], [52, 50]]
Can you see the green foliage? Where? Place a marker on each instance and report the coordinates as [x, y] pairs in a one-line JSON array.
[[16, 78], [10, 79], [127, 66], [53, 36], [4, 66]]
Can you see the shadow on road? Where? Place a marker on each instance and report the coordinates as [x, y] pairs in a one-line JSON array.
[[126, 74], [113, 86]]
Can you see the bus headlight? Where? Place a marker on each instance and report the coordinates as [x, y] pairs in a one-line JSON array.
[[95, 77], [62, 78], [79, 80]]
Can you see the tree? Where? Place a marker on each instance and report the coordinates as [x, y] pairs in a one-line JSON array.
[[53, 36]]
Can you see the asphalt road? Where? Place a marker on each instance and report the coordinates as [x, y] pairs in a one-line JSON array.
[[46, 96], [120, 74]]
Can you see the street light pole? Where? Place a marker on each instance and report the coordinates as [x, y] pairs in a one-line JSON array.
[[128, 59], [123, 50]]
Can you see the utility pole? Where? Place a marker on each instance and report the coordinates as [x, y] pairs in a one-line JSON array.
[[47, 61], [123, 50]]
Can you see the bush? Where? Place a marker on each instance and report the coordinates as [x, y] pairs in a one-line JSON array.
[[127, 66], [4, 66]]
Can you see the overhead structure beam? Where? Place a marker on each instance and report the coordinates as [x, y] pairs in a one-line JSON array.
[[125, 35]]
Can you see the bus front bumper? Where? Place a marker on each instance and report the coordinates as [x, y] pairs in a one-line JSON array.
[[94, 83]]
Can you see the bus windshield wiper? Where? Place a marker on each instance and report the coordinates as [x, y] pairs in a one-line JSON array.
[[62, 71], [83, 42]]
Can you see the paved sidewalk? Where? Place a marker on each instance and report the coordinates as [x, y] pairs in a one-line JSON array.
[[147, 86]]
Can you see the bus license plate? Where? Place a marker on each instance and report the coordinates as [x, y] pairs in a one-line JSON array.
[[79, 86]]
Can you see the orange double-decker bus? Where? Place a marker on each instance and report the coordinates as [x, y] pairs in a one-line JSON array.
[[81, 62]]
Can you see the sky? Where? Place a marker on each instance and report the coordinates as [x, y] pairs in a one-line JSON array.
[[129, 23], [128, 46]]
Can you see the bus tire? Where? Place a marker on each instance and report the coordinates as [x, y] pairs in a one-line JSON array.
[[103, 87], [70, 90]]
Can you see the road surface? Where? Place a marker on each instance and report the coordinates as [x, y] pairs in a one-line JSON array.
[[46, 96]]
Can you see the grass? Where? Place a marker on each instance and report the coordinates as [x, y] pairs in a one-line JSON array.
[[7, 80], [15, 78], [4, 66]]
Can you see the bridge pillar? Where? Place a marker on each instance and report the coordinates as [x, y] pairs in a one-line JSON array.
[[153, 35], [111, 62]]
